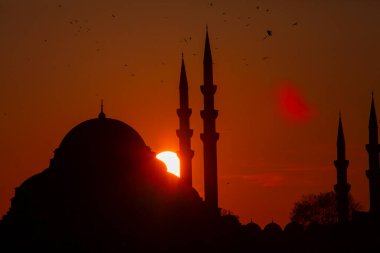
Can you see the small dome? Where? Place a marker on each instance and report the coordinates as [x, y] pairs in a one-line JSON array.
[[252, 228], [272, 228], [293, 228]]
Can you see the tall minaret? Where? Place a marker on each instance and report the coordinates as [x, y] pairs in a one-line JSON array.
[[342, 187], [373, 172], [209, 135], [184, 132]]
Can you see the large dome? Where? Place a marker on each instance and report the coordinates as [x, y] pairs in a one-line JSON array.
[[92, 130], [101, 142], [104, 189]]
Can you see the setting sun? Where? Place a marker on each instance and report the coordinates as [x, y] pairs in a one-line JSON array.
[[171, 161]]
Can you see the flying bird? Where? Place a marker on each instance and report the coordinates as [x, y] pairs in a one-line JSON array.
[[295, 23], [269, 32]]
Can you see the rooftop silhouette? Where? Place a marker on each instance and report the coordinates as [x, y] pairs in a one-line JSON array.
[[105, 191]]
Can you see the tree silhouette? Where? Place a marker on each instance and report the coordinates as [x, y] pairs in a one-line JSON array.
[[320, 208]]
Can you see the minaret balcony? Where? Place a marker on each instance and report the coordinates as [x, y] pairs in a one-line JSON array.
[[184, 133], [373, 174], [184, 112], [342, 188], [209, 114], [186, 153], [341, 164], [372, 147], [208, 89]]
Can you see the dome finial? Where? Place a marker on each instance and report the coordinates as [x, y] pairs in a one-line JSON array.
[[101, 114]]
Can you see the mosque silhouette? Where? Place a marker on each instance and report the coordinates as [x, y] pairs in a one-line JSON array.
[[104, 191]]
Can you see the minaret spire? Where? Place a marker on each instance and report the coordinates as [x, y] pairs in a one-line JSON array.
[[101, 114], [341, 188], [373, 172], [209, 135], [184, 132], [207, 62], [373, 123]]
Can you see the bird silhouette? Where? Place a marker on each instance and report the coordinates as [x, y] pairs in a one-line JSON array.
[[269, 32]]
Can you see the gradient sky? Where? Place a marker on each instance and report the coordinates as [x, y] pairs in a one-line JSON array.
[[278, 97]]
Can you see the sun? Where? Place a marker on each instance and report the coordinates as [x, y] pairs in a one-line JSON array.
[[171, 161]]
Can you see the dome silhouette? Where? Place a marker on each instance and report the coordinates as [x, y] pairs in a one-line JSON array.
[[252, 228], [105, 187], [293, 228], [90, 130], [272, 229], [101, 142]]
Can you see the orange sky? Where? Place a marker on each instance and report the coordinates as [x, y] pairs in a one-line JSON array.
[[278, 98]]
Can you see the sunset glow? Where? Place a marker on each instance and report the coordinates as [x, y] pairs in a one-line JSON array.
[[171, 161], [278, 96]]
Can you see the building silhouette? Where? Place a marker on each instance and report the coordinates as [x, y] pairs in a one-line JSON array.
[[373, 172], [341, 188], [104, 191], [209, 135], [184, 132]]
